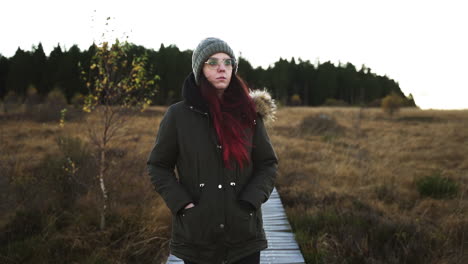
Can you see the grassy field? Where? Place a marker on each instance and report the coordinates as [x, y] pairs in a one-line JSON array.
[[358, 187]]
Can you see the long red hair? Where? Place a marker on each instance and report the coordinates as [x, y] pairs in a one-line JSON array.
[[233, 117]]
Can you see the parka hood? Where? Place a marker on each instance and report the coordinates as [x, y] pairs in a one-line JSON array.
[[265, 105]]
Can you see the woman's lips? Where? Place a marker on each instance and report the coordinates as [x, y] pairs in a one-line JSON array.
[[221, 78]]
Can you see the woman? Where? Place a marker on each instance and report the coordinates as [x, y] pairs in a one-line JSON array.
[[225, 163]]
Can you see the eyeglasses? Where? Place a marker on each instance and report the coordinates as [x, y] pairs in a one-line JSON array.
[[213, 63]]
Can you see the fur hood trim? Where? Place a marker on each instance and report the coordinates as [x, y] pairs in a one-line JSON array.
[[265, 105]]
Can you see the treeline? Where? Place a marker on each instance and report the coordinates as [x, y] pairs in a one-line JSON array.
[[290, 82]]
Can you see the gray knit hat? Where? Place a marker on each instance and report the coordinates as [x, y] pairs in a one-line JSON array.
[[205, 49]]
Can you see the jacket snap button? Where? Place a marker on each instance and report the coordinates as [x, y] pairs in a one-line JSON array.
[[251, 214], [220, 186], [233, 184], [221, 225]]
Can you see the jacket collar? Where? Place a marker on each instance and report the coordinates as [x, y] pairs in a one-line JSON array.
[[192, 95]]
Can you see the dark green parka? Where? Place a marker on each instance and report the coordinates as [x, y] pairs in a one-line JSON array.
[[220, 228]]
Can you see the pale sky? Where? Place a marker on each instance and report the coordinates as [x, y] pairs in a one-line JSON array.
[[423, 45]]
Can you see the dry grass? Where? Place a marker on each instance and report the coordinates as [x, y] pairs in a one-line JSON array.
[[367, 174], [348, 179], [37, 226]]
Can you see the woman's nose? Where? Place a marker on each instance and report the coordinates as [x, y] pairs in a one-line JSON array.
[[221, 67]]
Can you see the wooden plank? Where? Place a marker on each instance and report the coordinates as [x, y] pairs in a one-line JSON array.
[[282, 245], [281, 257]]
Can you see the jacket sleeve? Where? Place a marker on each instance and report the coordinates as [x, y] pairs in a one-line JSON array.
[[265, 164], [161, 164]]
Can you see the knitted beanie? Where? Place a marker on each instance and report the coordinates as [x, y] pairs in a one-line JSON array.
[[205, 49]]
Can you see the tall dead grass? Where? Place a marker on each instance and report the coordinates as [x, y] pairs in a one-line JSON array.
[[347, 177], [50, 198], [352, 196]]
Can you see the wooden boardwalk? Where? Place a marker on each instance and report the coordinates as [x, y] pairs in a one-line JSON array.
[[282, 246]]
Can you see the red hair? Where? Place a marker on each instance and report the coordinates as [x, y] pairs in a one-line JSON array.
[[233, 117]]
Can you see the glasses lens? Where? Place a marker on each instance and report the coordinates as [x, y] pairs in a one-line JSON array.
[[212, 62], [228, 62]]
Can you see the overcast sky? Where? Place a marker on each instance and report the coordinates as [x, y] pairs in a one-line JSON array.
[[423, 45]]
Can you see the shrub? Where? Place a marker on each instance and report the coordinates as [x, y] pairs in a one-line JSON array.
[[32, 100], [32, 97], [358, 233], [51, 109], [69, 174], [295, 100], [11, 102], [321, 124], [60, 177], [437, 187], [392, 103], [56, 97], [78, 100]]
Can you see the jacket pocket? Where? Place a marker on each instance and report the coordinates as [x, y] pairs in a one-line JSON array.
[[243, 223], [190, 228]]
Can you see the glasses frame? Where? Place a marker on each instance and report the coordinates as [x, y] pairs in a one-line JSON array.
[[219, 62]]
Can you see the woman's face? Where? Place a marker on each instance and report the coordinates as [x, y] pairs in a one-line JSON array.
[[218, 71]]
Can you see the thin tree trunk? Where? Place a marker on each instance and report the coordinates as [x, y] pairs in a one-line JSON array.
[[103, 188]]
